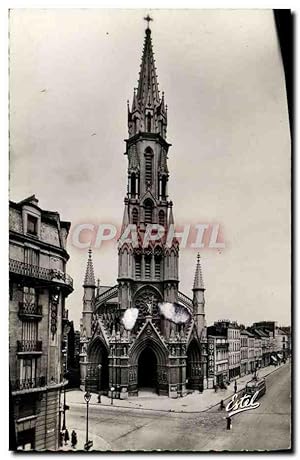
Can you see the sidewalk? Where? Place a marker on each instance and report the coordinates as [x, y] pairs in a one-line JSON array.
[[98, 442], [194, 402]]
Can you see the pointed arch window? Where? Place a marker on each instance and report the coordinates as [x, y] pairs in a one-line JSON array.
[[164, 187], [148, 166], [135, 216], [148, 267], [148, 209], [138, 267], [133, 185], [157, 267], [149, 122], [161, 218]]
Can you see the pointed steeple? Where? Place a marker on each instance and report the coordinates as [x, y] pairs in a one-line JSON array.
[[147, 92], [89, 279], [198, 280]]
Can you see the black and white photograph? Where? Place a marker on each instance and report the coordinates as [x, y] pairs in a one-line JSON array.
[[150, 235]]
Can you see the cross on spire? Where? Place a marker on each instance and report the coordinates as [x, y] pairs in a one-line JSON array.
[[148, 19]]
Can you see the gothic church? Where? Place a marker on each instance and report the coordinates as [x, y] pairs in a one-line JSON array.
[[156, 353]]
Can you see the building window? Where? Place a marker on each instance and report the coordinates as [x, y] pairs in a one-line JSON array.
[[30, 331], [30, 296], [28, 369], [135, 216], [157, 268], [147, 267], [133, 185], [163, 187], [138, 264], [31, 256], [148, 169], [149, 123], [161, 218], [148, 207], [32, 225]]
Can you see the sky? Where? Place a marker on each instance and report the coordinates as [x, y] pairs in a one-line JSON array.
[[71, 73]]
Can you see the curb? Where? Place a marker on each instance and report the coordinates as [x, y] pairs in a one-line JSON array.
[[173, 411]]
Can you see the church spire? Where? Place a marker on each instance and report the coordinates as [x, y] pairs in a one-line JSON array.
[[89, 279], [198, 280], [147, 92]]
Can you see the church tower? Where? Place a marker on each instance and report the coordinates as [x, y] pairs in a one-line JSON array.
[[89, 287], [147, 202], [163, 344], [198, 298]]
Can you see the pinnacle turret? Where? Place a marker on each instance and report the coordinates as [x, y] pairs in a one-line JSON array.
[[198, 280], [89, 279]]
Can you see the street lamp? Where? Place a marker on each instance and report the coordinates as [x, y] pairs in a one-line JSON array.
[[65, 407], [99, 394], [88, 444]]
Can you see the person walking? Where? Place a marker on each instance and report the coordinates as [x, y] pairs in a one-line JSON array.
[[228, 424], [222, 405], [73, 439], [61, 438], [235, 386], [67, 437]]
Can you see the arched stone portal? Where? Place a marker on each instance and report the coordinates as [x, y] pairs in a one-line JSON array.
[[148, 364], [147, 369], [97, 371], [194, 368]]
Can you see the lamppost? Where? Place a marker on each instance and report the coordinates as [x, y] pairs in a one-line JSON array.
[[65, 407], [88, 444], [99, 394]]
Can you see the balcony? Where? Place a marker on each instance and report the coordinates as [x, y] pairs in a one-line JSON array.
[[30, 311], [29, 346], [35, 271], [28, 384]]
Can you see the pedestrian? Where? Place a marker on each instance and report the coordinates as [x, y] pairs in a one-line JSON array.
[[215, 388], [67, 437], [222, 405], [235, 386], [61, 438], [228, 420], [73, 439]]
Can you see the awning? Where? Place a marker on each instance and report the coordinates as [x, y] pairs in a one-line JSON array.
[[274, 359]]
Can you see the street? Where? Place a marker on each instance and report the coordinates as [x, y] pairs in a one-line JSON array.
[[119, 429]]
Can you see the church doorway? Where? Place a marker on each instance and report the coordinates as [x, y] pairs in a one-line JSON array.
[[147, 370], [194, 367], [97, 375]]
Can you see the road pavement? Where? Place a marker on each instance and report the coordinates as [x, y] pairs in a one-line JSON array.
[[119, 429]]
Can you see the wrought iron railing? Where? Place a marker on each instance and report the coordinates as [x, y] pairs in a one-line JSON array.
[[33, 309], [35, 271], [27, 384], [29, 346]]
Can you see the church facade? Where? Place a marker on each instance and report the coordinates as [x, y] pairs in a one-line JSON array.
[[157, 352]]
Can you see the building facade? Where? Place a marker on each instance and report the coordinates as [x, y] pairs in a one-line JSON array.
[[244, 352], [38, 287], [158, 351], [220, 355]]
